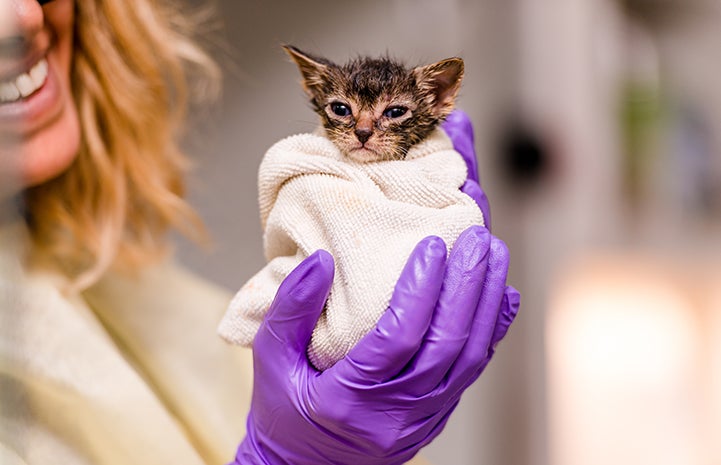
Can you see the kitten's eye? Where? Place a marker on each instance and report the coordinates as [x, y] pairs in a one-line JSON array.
[[395, 112], [340, 109]]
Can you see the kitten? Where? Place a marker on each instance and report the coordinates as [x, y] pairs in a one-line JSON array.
[[376, 109]]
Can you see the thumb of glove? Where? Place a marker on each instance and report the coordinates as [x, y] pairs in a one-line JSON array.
[[474, 191], [297, 305]]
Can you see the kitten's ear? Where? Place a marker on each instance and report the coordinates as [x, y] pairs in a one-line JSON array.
[[442, 80], [312, 69]]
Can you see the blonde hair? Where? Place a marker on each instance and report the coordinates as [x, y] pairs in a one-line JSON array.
[[132, 67]]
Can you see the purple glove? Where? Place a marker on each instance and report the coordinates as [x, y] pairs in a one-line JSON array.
[[459, 129], [394, 392]]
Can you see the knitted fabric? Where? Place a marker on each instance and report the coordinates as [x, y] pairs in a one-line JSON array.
[[369, 216]]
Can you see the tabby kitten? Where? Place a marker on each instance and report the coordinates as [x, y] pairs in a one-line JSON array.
[[376, 109]]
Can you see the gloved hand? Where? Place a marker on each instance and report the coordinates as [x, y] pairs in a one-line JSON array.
[[460, 130], [394, 392]]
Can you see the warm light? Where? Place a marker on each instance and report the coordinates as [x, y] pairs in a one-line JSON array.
[[713, 435], [628, 368]]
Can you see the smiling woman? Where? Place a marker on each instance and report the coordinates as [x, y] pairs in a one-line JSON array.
[[105, 193]]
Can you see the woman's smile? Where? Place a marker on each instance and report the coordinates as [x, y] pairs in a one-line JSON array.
[[38, 119], [29, 100], [24, 85]]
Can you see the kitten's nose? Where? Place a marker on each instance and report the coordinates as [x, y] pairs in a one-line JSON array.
[[363, 134]]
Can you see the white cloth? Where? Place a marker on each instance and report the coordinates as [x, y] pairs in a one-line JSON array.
[[369, 216]]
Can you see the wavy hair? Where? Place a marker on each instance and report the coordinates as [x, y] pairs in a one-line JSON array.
[[133, 66]]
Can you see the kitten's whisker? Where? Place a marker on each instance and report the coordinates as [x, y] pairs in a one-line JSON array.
[[312, 125]]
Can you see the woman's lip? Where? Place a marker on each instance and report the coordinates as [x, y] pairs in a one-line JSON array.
[[28, 114], [19, 67]]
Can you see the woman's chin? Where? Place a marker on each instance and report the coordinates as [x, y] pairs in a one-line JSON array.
[[48, 153]]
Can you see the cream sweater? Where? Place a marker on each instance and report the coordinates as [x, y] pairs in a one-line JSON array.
[[128, 372]]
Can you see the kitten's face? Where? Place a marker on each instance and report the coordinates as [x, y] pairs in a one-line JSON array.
[[376, 109]]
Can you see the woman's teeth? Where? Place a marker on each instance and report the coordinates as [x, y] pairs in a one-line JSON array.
[[25, 84]]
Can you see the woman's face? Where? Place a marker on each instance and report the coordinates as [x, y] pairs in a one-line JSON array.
[[39, 128]]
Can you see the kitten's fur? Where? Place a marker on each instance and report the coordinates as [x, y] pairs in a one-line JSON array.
[[375, 108]]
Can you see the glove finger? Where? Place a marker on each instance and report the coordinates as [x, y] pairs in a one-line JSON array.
[[422, 432], [297, 306], [474, 191], [509, 309], [507, 315], [452, 320], [460, 130], [476, 353], [383, 352]]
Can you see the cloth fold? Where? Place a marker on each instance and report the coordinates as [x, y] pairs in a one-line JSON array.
[[369, 216]]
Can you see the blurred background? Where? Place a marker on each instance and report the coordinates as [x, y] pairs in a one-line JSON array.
[[598, 128]]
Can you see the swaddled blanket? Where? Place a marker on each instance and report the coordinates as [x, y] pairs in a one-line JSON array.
[[369, 216]]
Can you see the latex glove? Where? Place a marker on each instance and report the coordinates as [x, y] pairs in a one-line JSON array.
[[460, 130], [393, 393]]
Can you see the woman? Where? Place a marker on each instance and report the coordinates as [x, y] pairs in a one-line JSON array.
[[107, 351]]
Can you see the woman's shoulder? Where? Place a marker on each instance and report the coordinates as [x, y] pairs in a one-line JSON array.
[[166, 318], [162, 287]]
